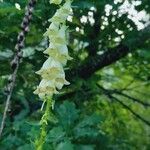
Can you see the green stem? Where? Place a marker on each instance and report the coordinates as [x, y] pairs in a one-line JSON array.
[[40, 142]]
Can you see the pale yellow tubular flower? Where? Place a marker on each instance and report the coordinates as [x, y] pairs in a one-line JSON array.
[[58, 18], [58, 52], [60, 38], [46, 87], [50, 69], [57, 2], [60, 81], [62, 13], [51, 76], [52, 72], [62, 31], [66, 8], [63, 50], [51, 50], [52, 30]]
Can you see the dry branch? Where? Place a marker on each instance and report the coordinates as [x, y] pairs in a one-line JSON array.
[[17, 58]]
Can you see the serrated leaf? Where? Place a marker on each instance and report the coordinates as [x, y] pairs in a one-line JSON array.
[[85, 132], [55, 135], [67, 114], [65, 146], [89, 121]]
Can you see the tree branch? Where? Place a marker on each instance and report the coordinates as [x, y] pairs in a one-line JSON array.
[[17, 58], [131, 98], [128, 108], [110, 96], [95, 63], [99, 61]]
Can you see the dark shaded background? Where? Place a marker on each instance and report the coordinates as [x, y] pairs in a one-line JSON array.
[[107, 104]]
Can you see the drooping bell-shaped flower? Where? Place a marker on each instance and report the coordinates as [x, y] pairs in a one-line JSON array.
[[60, 38], [58, 52], [58, 18], [51, 50], [60, 82], [52, 31], [46, 87], [61, 14], [52, 72], [63, 50], [66, 8], [50, 69]]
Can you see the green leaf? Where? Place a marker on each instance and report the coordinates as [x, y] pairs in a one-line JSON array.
[[67, 145], [83, 4], [86, 132], [89, 121], [26, 147], [67, 114], [6, 54], [28, 52], [84, 147], [55, 135]]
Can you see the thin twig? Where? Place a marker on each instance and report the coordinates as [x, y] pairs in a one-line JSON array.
[[134, 113], [17, 58], [109, 93], [132, 98], [118, 92]]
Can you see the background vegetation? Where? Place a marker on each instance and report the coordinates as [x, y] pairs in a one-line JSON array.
[[107, 104]]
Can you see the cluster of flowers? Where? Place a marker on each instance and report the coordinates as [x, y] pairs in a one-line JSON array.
[[52, 72]]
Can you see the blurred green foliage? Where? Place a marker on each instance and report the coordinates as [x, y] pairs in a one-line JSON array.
[[86, 118]]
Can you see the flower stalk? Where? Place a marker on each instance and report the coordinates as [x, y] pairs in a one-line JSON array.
[[52, 71]]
